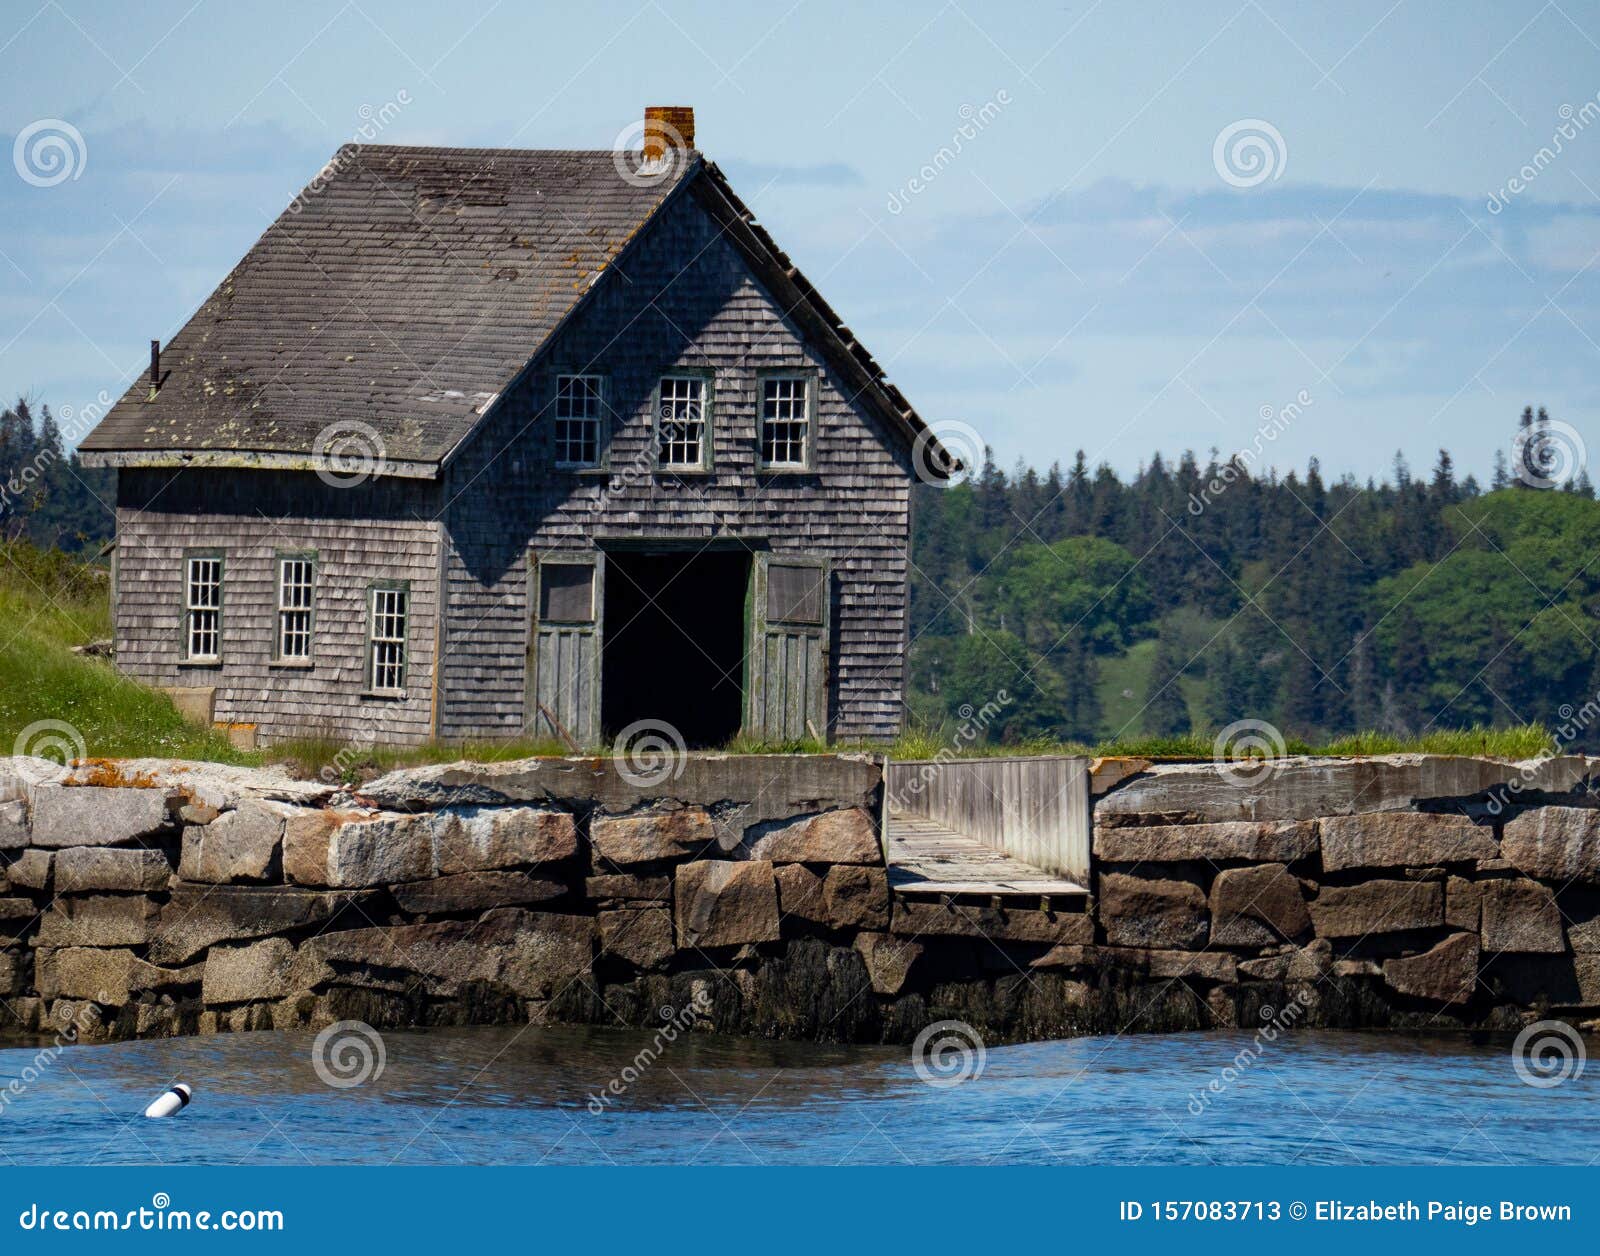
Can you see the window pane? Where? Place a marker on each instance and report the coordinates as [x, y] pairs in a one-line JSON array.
[[202, 601], [682, 421], [294, 608], [794, 593], [566, 593], [577, 419], [388, 641], [785, 421]]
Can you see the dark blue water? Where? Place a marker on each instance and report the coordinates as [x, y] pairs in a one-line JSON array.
[[524, 1096]]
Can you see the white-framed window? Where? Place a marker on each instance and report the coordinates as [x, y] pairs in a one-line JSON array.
[[202, 608], [296, 588], [579, 405], [388, 615], [681, 423], [785, 421]]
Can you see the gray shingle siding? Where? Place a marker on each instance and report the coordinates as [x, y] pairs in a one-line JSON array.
[[382, 529], [683, 298]]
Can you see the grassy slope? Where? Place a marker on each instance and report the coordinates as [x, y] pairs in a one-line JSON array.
[[47, 605]]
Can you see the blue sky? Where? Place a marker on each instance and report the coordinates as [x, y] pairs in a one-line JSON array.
[[1085, 272]]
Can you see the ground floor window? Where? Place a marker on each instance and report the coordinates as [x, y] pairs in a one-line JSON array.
[[296, 583], [202, 608], [388, 612]]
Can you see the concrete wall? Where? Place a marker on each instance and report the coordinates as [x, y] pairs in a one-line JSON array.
[[146, 898]]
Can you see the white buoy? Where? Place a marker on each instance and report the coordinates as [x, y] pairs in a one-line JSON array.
[[174, 1100]]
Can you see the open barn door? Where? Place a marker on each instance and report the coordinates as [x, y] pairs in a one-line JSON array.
[[788, 664], [563, 674]]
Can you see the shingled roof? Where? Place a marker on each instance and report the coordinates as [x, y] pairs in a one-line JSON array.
[[404, 289]]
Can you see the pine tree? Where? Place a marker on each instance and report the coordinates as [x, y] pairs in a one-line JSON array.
[[1166, 714]]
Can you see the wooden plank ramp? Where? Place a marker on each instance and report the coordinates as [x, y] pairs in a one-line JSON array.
[[925, 857]]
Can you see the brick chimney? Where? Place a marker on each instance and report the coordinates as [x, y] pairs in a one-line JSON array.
[[667, 126]]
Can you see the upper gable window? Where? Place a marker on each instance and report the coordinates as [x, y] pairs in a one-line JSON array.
[[786, 421], [577, 423], [682, 436]]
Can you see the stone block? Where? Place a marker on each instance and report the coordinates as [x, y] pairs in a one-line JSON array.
[[30, 870], [856, 897], [1396, 839], [474, 892], [1257, 906], [1354, 911], [652, 836], [1555, 843], [244, 844], [626, 886], [355, 852], [1463, 904], [1277, 842], [129, 869], [109, 976], [913, 918], [87, 815], [845, 836], [640, 935], [725, 903], [487, 839], [800, 894], [101, 920], [889, 960], [1152, 912], [247, 974], [1446, 973], [199, 916], [1521, 915]]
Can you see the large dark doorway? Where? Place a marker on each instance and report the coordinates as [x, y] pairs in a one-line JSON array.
[[674, 641]]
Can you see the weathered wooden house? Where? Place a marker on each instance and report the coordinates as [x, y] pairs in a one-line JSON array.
[[479, 442]]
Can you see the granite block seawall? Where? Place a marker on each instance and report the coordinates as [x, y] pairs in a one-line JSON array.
[[749, 894]]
